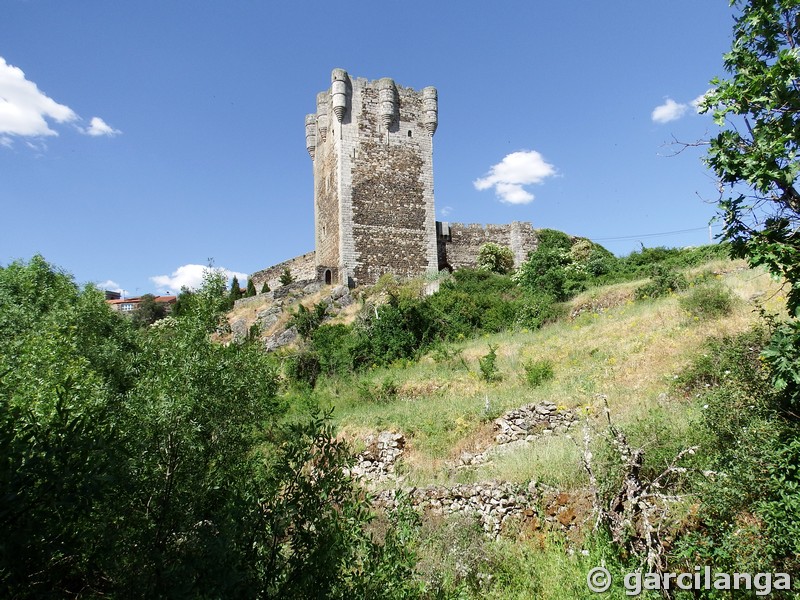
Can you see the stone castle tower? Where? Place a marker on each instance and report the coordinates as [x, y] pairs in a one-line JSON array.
[[371, 143]]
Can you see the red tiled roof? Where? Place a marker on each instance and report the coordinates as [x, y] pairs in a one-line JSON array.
[[138, 299]]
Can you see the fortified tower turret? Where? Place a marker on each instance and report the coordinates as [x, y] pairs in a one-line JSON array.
[[371, 144]]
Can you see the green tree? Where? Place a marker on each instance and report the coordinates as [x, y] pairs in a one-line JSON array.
[[149, 311], [286, 277], [251, 289], [495, 258], [155, 463], [756, 158], [236, 291], [265, 288]]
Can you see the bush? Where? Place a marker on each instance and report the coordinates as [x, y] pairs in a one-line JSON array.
[[495, 258], [561, 266], [534, 311], [157, 463], [663, 281], [538, 372], [385, 391], [307, 321], [335, 346], [708, 301], [488, 365], [303, 367], [748, 511]]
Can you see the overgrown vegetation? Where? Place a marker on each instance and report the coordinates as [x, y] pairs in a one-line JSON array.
[[145, 463], [152, 462], [749, 505], [472, 302]]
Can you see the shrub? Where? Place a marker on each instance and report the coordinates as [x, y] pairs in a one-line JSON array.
[[708, 301], [385, 391], [495, 258], [538, 372], [748, 510], [663, 281], [534, 311], [335, 346], [488, 365], [307, 321], [304, 367]]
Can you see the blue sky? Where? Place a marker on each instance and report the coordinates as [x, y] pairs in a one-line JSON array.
[[140, 138]]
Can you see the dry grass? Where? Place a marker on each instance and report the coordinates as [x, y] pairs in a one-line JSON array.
[[629, 353]]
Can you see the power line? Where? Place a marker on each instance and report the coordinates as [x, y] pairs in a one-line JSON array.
[[647, 235]]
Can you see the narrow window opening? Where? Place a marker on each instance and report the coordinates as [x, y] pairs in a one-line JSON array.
[[327, 276], [409, 133]]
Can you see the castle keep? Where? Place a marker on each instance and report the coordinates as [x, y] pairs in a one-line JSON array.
[[371, 145]]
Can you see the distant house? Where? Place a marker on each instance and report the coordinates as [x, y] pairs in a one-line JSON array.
[[126, 305]]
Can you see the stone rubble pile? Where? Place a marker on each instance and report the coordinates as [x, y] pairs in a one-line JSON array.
[[377, 462], [519, 427]]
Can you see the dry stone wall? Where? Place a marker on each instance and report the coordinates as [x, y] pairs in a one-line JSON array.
[[493, 503], [497, 504], [521, 426]]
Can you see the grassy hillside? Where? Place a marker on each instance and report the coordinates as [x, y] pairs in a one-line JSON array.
[[627, 351], [609, 349]]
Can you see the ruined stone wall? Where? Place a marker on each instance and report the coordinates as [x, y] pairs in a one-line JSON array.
[[461, 250], [302, 268]]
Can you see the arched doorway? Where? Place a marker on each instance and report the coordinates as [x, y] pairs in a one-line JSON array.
[[327, 276]]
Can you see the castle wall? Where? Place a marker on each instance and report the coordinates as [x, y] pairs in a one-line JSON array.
[[461, 250], [302, 268]]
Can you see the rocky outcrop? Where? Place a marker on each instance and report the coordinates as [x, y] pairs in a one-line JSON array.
[[281, 339]]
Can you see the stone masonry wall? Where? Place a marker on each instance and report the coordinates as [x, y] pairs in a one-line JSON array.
[[326, 207], [303, 268], [392, 179], [465, 241]]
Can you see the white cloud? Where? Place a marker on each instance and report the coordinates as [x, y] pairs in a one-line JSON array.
[[516, 170], [26, 111], [24, 108], [190, 276], [669, 111], [98, 127], [445, 211]]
